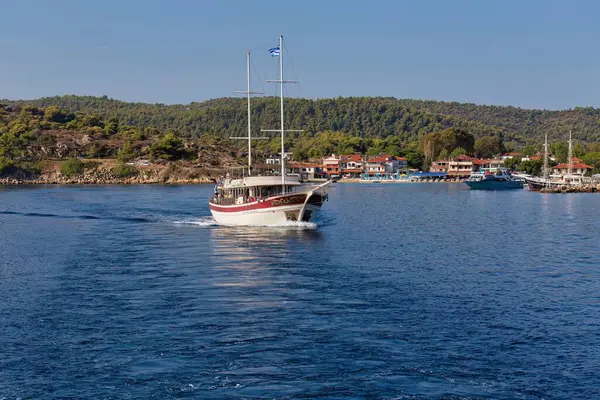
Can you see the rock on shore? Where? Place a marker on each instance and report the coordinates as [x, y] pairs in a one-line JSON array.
[[589, 188], [103, 174]]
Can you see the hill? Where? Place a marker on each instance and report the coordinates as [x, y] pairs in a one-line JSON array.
[[367, 117]]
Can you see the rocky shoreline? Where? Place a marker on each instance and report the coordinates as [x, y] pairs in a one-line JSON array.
[[589, 188], [82, 180], [156, 174]]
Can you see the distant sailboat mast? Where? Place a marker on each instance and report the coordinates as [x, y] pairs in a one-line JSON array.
[[570, 167], [545, 171]]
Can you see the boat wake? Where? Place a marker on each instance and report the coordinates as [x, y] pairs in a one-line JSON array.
[[293, 225], [210, 222], [203, 221]]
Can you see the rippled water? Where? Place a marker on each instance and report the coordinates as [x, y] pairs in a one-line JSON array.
[[404, 291]]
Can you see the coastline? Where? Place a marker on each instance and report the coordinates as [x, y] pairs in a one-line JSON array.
[[102, 172]]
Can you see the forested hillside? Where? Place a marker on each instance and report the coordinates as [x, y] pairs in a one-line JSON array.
[[98, 127], [369, 117]]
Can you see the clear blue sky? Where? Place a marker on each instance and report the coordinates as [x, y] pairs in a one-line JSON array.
[[527, 53]]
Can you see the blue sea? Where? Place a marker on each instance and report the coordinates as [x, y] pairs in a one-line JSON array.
[[397, 291]]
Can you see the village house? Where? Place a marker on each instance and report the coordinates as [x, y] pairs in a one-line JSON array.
[[385, 164], [506, 156], [351, 165], [331, 165], [479, 164], [305, 171], [577, 168], [439, 166], [460, 166]]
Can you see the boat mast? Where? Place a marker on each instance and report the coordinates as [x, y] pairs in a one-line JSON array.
[[282, 128], [249, 92], [570, 167], [545, 171], [281, 82], [249, 119]]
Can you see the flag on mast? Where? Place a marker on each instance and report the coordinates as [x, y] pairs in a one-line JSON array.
[[274, 51]]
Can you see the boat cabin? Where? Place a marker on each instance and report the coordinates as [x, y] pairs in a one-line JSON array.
[[252, 189]]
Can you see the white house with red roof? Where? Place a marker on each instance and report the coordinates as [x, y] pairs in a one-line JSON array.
[[305, 171], [385, 164], [351, 165], [331, 165], [577, 168], [460, 166]]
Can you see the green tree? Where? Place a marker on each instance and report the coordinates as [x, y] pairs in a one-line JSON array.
[[459, 151], [112, 126], [592, 159], [529, 150], [54, 114], [488, 146], [578, 150], [123, 170], [531, 167], [512, 163], [560, 151], [443, 155], [126, 153], [72, 167], [415, 158], [169, 147], [450, 139]]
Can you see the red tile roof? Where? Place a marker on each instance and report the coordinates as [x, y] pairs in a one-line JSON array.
[[305, 165], [352, 157], [463, 158], [351, 170], [575, 165], [381, 158]]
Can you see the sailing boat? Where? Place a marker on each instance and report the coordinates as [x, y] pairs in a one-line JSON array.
[[570, 179], [266, 200]]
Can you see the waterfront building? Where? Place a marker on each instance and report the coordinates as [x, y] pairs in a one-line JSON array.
[[331, 165], [385, 164], [351, 165], [305, 171], [576, 168], [461, 166], [439, 166]]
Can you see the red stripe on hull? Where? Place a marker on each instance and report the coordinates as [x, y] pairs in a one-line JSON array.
[[289, 200]]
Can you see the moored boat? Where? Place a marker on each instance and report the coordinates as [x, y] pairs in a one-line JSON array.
[[556, 180], [490, 179]]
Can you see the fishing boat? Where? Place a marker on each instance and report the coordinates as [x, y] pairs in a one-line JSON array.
[[493, 179], [262, 199]]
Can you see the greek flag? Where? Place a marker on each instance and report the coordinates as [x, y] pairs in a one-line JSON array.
[[274, 51]]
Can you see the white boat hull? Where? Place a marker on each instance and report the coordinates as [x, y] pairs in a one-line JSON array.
[[261, 217], [277, 210]]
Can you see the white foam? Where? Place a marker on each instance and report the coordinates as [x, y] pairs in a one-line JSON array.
[[203, 221], [209, 221]]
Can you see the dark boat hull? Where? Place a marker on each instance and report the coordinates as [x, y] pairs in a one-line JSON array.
[[494, 185]]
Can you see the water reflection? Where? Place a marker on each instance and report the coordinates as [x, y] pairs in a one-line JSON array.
[[246, 244]]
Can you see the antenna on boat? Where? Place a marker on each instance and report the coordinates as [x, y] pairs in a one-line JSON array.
[[570, 167], [281, 81], [249, 92], [545, 172]]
